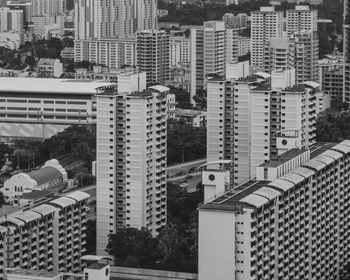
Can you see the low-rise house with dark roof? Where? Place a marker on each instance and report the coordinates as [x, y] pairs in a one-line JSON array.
[[51, 176]]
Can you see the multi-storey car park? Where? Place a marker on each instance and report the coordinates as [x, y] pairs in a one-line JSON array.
[[292, 222], [39, 107]]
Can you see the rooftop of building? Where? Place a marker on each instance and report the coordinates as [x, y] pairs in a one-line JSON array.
[[215, 77], [6, 210], [254, 194], [45, 174], [96, 265], [187, 112], [283, 158], [295, 88], [36, 194], [47, 61], [40, 85], [335, 72], [36, 273]]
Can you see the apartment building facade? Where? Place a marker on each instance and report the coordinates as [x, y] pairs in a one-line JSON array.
[[50, 236], [179, 47], [346, 96], [213, 48], [153, 55], [113, 53], [131, 160], [48, 7], [305, 49], [106, 19], [265, 24], [302, 18], [11, 20], [292, 225], [246, 117]]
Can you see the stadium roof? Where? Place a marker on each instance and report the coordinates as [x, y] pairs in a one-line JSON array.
[[40, 85]]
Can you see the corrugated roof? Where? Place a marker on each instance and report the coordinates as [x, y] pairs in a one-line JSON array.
[[324, 158], [78, 195], [45, 174], [315, 164], [293, 177], [268, 193], [346, 142], [44, 209], [255, 200], [282, 184], [63, 201], [333, 154], [36, 273], [302, 171], [28, 216], [342, 148], [39, 85], [15, 221]]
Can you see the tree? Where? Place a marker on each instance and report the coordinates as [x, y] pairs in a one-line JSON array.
[[168, 240], [185, 142], [333, 128], [183, 98], [67, 42], [2, 200], [30, 60], [133, 248], [70, 4], [201, 98]]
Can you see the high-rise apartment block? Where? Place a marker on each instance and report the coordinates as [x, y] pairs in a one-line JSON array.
[[179, 47], [131, 159], [153, 55], [304, 47], [232, 21], [346, 97], [289, 223], [299, 49], [279, 55], [249, 117], [106, 19], [49, 236], [48, 7], [26, 7], [265, 24], [114, 53], [11, 20], [84, 16], [213, 47], [302, 18], [197, 60]]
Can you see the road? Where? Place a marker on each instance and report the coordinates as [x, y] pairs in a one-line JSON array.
[[172, 171], [184, 168]]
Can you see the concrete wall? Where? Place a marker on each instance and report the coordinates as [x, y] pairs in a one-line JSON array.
[[216, 245]]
